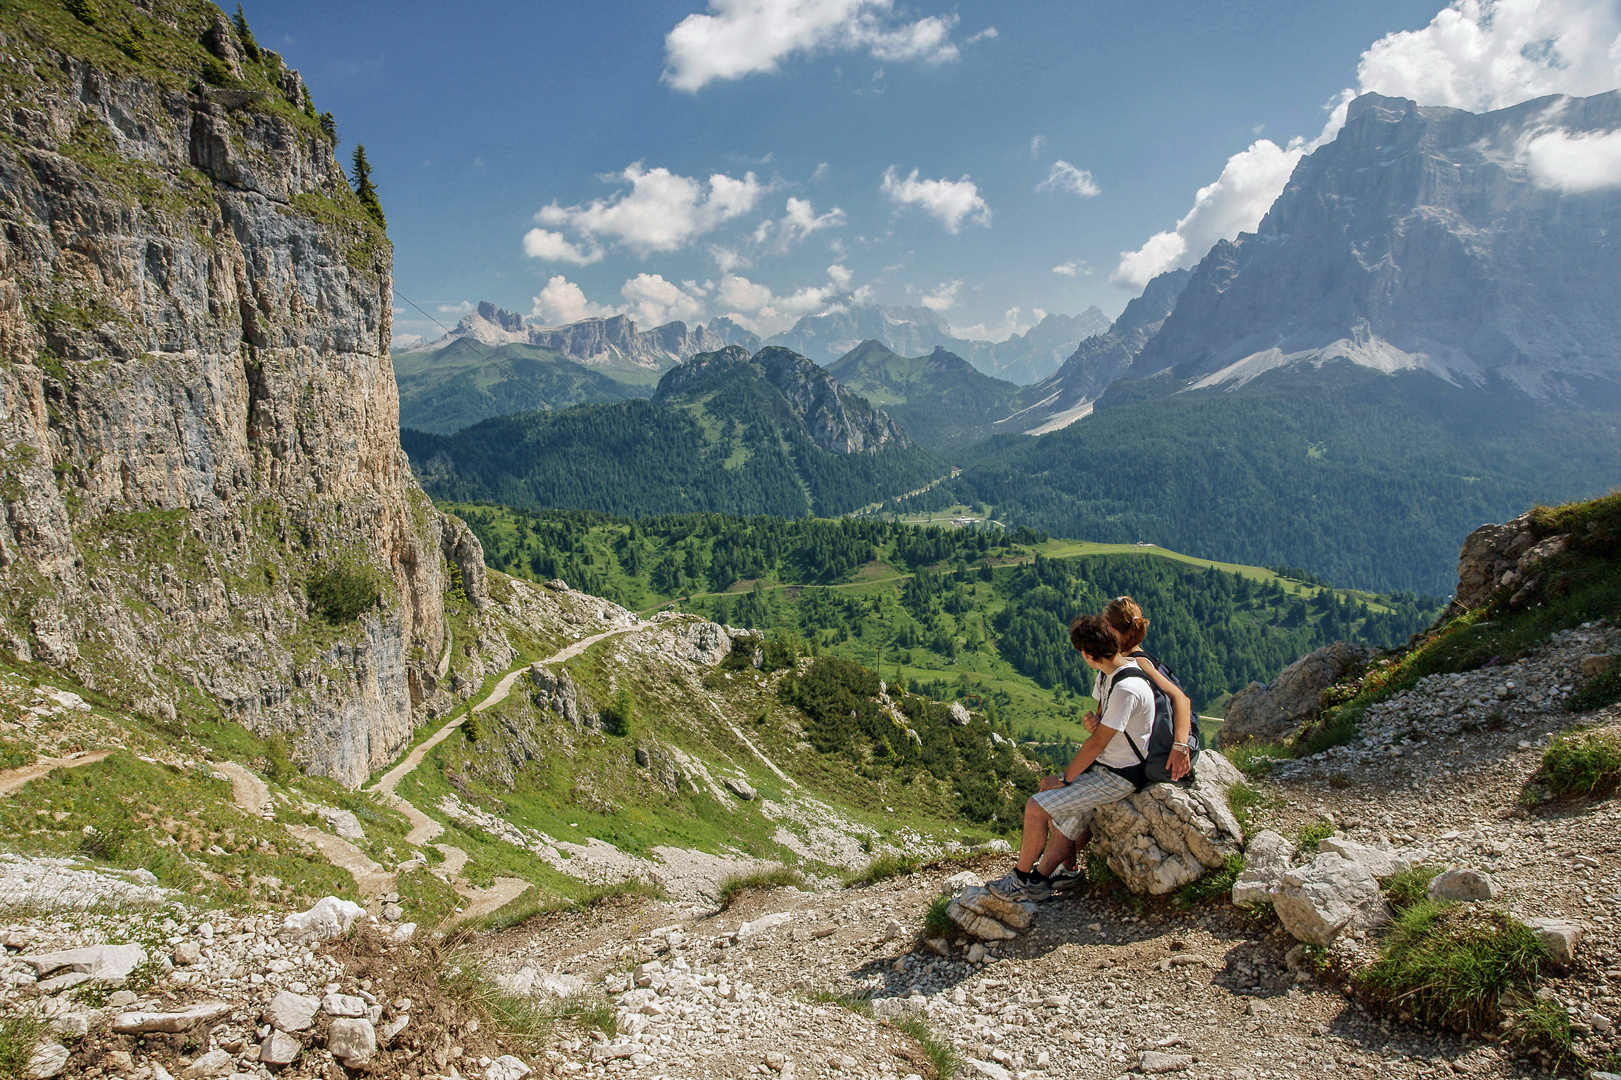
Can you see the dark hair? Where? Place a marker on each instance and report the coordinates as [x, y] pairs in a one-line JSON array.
[[1092, 635], [1127, 619]]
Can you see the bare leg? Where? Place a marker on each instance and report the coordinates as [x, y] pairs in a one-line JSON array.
[[1058, 845], [1037, 822]]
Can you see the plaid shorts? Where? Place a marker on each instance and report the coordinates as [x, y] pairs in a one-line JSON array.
[[1071, 806]]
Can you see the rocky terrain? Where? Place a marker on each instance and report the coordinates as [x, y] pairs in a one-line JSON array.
[[607, 342]]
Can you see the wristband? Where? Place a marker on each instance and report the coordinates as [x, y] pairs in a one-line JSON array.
[[1179, 746]]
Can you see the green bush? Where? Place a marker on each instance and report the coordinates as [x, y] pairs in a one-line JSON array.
[[1598, 691], [1313, 834], [1452, 964], [1410, 887], [936, 923], [279, 765], [619, 717], [775, 878], [1582, 763], [342, 592]]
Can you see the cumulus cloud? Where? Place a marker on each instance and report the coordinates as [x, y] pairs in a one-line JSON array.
[[1488, 54], [652, 301], [1012, 323], [797, 222], [951, 202], [1065, 177], [454, 309], [661, 211], [1588, 161], [943, 296], [757, 307], [555, 247], [839, 275], [1476, 55], [562, 302], [742, 37], [1073, 268]]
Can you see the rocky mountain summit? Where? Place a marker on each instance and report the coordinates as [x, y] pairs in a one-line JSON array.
[[1420, 239], [603, 342]]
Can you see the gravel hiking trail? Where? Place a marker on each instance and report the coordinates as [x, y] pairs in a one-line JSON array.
[[12, 780]]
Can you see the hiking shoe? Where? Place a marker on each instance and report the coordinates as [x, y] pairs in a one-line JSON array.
[[1011, 887], [1064, 879]]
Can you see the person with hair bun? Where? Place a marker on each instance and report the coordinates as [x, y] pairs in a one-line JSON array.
[[1104, 770], [1126, 618]]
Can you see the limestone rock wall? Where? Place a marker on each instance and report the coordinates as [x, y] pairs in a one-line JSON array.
[[198, 416]]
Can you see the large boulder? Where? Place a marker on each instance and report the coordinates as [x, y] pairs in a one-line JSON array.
[[1327, 896], [1165, 836], [1268, 713]]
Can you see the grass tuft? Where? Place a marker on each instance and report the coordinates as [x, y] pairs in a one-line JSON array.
[[1313, 834], [936, 923], [1410, 887], [1452, 965], [1243, 801], [1582, 764], [1255, 759], [531, 903], [858, 1003], [882, 868], [1599, 690], [1215, 887], [1544, 1024], [939, 1052], [777, 877], [19, 1036]]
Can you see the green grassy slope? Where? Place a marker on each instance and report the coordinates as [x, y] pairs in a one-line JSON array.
[[972, 614], [465, 382], [1365, 479]]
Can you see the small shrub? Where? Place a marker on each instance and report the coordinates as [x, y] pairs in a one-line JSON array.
[[619, 717], [882, 868], [279, 765], [1410, 887], [1243, 800], [19, 1036], [775, 878], [83, 10], [342, 592], [939, 1053], [472, 730], [1216, 886], [1313, 834], [1598, 691], [1582, 763], [936, 923], [1255, 759], [1451, 964], [109, 842]]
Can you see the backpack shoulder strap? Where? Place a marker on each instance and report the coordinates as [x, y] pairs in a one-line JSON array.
[[1132, 673]]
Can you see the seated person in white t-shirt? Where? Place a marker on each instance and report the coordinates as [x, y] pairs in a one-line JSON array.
[[1104, 770]]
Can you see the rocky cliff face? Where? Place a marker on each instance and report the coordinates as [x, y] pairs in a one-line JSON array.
[[198, 420], [1421, 238]]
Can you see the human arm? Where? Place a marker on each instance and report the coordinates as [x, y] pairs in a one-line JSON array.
[[1181, 718], [1088, 753]]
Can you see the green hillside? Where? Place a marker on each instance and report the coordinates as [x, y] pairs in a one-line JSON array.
[[1366, 479], [973, 614], [465, 382], [941, 399], [728, 433]]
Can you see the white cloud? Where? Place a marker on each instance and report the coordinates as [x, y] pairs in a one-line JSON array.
[[950, 201], [1012, 323], [562, 302], [741, 37], [662, 211], [1073, 268], [400, 341], [1065, 177], [839, 275], [1488, 54], [1036, 143], [728, 259], [653, 301], [555, 247], [1476, 55], [943, 296], [1589, 161], [761, 310], [456, 309], [797, 222]]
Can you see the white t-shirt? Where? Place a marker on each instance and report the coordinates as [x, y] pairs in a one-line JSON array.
[[1128, 708]]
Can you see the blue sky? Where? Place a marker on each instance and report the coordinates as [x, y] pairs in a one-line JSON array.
[[478, 117]]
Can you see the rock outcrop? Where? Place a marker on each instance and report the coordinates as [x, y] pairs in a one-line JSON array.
[[1166, 836], [198, 419], [1501, 556], [612, 341], [1266, 713]]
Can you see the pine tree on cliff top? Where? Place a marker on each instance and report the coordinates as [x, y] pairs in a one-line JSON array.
[[364, 188]]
